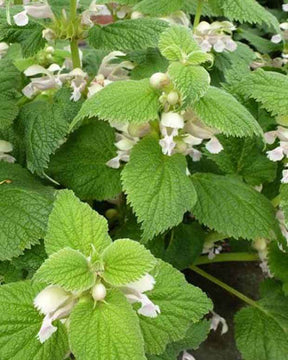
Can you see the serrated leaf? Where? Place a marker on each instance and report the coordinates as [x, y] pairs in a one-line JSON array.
[[191, 81], [177, 42], [269, 88], [80, 164], [180, 304], [126, 261], [222, 111], [229, 206], [20, 323], [210, 8], [127, 34], [159, 7], [45, 126], [74, 224], [25, 205], [122, 101], [261, 332], [67, 268], [107, 331], [157, 187], [278, 262]]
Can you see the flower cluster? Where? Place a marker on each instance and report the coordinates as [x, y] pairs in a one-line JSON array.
[[35, 10]]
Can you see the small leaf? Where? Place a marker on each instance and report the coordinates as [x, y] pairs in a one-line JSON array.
[[67, 268], [126, 261], [74, 224]]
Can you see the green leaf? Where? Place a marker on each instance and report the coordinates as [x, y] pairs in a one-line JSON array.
[[180, 304], [80, 164], [74, 224], [25, 205], [229, 206], [20, 323], [107, 331], [123, 101], [177, 42], [195, 335], [127, 34], [157, 187], [261, 332], [45, 126], [191, 81], [269, 88], [67, 268], [159, 7], [249, 11], [284, 200], [209, 8], [244, 157], [278, 263], [126, 261], [222, 111]]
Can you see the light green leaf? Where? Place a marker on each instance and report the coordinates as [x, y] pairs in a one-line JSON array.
[[157, 187], [267, 87], [20, 323], [74, 224], [127, 34], [229, 206], [25, 205], [123, 101], [222, 111], [80, 164], [159, 7], [126, 261], [191, 81], [180, 304], [67, 268], [107, 331], [177, 42]]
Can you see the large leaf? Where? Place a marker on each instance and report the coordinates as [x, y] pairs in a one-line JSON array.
[[229, 206], [159, 7], [157, 187], [107, 331], [25, 205], [278, 264], [127, 34], [74, 224], [20, 323], [123, 101], [80, 164], [222, 111]]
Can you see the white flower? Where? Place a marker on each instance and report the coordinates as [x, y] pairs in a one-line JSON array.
[[115, 71], [38, 11], [134, 293], [48, 34], [136, 15], [285, 7], [276, 39], [6, 147], [159, 80], [170, 123], [3, 49], [187, 356], [99, 292], [216, 321], [177, 18], [78, 84], [55, 303]]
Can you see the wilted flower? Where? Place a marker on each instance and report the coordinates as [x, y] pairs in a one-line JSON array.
[[6, 147], [96, 14], [3, 49], [216, 321]]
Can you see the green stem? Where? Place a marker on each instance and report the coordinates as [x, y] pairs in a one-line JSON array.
[[198, 14], [215, 236], [226, 257], [73, 9], [226, 287], [74, 42], [276, 201], [18, 2]]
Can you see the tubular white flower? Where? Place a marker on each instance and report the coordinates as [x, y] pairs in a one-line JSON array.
[[214, 146], [187, 356], [50, 299], [159, 80], [21, 19], [276, 155], [276, 39], [6, 147], [99, 292], [172, 120], [284, 179], [39, 11], [216, 321]]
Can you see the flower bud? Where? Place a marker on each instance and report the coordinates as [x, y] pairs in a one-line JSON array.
[[158, 80], [172, 120], [260, 244], [136, 15], [173, 98], [99, 292], [136, 130], [51, 298]]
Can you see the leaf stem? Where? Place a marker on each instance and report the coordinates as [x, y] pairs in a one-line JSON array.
[[226, 257], [74, 42], [276, 201], [198, 14]]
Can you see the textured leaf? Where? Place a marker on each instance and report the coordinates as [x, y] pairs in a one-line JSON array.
[[107, 331], [74, 224], [25, 205], [269, 88], [20, 323], [278, 263], [177, 42], [45, 126], [67, 268], [157, 187], [210, 8], [126, 261], [127, 34], [80, 164], [191, 81], [222, 111], [229, 206], [123, 101], [159, 7], [180, 304], [284, 200]]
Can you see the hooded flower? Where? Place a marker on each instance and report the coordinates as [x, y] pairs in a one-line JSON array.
[[36, 10], [78, 84], [276, 39], [6, 147], [96, 14], [187, 356], [216, 321], [170, 124]]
